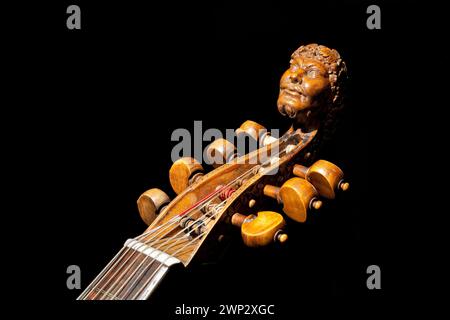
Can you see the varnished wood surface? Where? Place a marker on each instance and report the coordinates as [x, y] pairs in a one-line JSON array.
[[261, 230], [182, 171], [220, 151], [251, 128], [326, 177], [150, 202], [297, 195]]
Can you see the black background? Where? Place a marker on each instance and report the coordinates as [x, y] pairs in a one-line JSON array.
[[101, 104]]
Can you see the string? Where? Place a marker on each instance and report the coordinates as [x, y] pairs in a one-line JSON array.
[[128, 249], [183, 234], [198, 237], [109, 267], [106, 271]]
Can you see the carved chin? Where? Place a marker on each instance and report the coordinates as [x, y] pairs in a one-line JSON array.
[[290, 104]]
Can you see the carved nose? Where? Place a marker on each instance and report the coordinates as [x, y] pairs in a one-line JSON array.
[[296, 77]]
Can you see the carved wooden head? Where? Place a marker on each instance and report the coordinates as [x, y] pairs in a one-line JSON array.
[[310, 88]]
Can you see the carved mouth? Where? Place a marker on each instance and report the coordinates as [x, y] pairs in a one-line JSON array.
[[294, 93], [292, 89], [292, 100]]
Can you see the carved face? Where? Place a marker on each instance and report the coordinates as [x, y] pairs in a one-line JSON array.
[[302, 86]]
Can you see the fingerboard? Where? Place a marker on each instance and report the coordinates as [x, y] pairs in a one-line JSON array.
[[132, 275]]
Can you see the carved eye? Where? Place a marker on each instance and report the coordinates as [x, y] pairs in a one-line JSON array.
[[313, 73]]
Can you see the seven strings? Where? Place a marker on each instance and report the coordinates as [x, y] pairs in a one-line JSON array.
[[154, 232]]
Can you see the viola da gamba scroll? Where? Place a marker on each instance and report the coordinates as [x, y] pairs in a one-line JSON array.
[[286, 170]]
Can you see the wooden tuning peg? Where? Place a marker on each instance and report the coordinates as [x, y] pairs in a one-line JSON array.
[[297, 196], [266, 139], [250, 128], [325, 176], [261, 229], [150, 203], [256, 131], [220, 151], [184, 172]]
